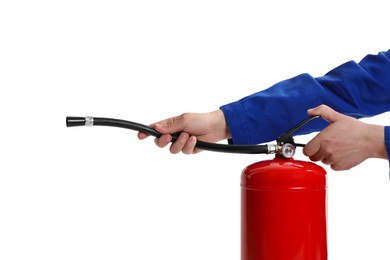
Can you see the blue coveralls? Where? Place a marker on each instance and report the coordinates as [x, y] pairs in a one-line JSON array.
[[355, 89]]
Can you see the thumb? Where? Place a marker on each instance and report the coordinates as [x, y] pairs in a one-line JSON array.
[[170, 126], [325, 112]]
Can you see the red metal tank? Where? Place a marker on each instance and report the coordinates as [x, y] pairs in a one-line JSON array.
[[283, 211]]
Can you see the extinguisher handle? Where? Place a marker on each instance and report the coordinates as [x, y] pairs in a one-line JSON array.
[[288, 136]]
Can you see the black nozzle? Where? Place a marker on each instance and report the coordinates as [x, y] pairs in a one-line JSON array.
[[75, 121]]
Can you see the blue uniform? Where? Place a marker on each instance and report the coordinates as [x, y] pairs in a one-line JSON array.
[[355, 89]]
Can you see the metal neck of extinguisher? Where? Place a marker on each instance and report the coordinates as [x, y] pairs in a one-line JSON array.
[[285, 145]]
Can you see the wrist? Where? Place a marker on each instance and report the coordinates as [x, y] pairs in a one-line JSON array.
[[221, 124], [376, 145]]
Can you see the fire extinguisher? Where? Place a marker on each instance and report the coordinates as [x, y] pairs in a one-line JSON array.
[[283, 201]]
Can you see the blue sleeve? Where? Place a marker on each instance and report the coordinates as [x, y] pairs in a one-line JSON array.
[[387, 140], [356, 89]]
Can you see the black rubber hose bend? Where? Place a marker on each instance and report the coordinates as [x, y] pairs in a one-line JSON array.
[[226, 148]]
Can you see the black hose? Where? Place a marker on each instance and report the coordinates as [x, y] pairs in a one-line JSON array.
[[226, 148]]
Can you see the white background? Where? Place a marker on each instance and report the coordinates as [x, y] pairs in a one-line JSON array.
[[100, 193]]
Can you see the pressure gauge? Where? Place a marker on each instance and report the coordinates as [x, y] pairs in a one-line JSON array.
[[288, 150]]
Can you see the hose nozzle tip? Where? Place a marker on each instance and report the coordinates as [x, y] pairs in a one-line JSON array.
[[75, 121]]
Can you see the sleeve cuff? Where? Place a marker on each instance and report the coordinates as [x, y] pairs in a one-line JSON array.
[[387, 141], [234, 115]]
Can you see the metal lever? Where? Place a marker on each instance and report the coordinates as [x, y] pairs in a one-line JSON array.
[[288, 136], [286, 141]]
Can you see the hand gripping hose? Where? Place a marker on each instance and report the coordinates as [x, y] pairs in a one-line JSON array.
[[285, 143]]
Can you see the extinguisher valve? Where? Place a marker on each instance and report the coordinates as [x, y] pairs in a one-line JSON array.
[[285, 142], [286, 150]]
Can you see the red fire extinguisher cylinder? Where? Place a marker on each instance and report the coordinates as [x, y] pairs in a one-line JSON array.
[[283, 211]]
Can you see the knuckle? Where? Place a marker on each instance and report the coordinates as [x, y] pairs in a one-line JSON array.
[[184, 117], [323, 106], [335, 167]]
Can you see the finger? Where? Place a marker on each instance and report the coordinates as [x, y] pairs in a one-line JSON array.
[[319, 156], [178, 145], [325, 112], [170, 125], [327, 161], [159, 127], [163, 140], [342, 166], [142, 136], [313, 146], [337, 167], [315, 149], [189, 147]]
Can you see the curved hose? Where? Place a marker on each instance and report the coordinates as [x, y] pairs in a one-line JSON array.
[[101, 121]]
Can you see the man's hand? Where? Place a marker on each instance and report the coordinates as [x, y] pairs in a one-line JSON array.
[[207, 127], [346, 142]]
